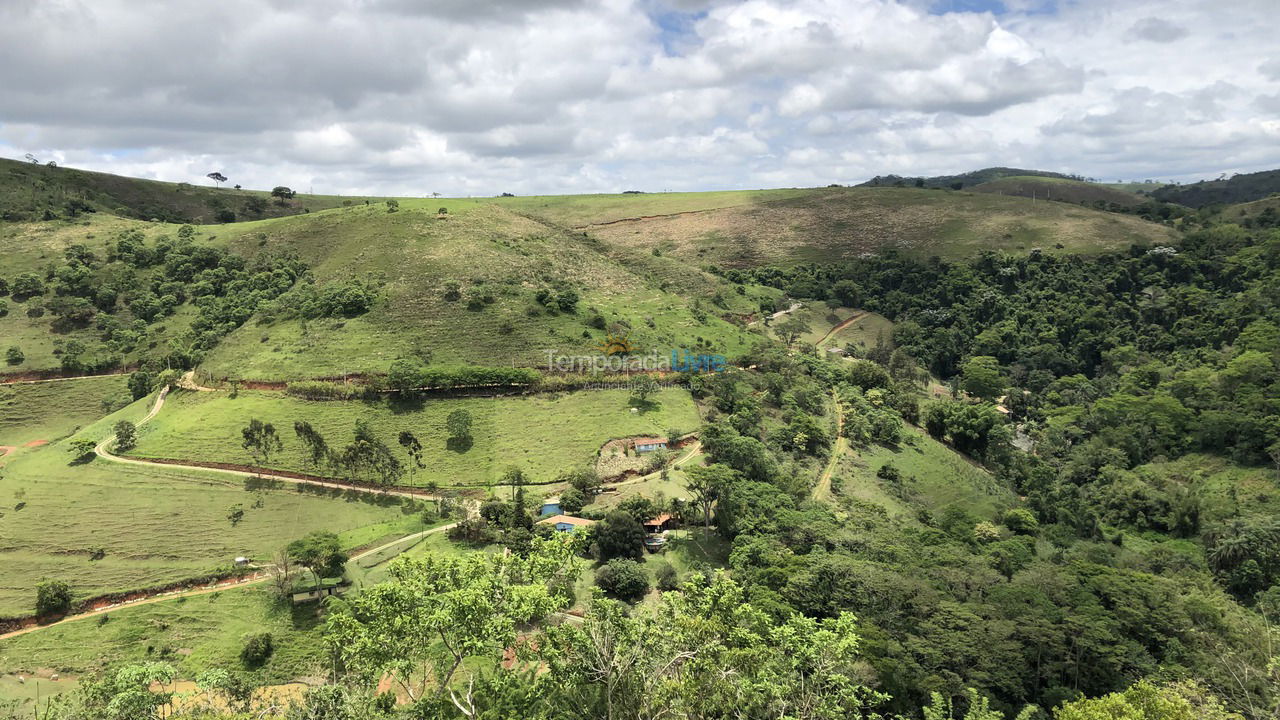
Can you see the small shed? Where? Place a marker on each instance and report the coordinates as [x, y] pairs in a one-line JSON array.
[[649, 444], [566, 523], [662, 523], [550, 506], [242, 561]]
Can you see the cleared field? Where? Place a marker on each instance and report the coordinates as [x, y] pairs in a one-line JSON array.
[[837, 223], [193, 634], [53, 410], [542, 434], [582, 210], [933, 477], [106, 527], [1059, 190]]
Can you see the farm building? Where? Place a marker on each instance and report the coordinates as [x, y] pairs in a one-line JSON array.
[[566, 523], [550, 506], [662, 523], [649, 444]]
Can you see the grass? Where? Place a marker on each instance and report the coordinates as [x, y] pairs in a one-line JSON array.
[[1060, 190], [542, 434], [154, 525], [498, 258], [1225, 487], [825, 225], [53, 410], [933, 477], [582, 210], [193, 634]]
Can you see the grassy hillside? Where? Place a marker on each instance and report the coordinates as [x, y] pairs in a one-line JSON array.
[[543, 434], [33, 192], [1060, 189], [962, 180], [50, 411], [841, 223], [469, 285], [463, 288], [152, 525]]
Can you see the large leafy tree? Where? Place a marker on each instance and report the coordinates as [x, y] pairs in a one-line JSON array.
[[437, 611]]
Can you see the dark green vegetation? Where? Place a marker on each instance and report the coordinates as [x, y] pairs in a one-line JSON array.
[[1242, 188]]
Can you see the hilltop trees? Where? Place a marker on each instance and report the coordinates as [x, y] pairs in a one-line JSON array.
[[282, 193], [217, 178]]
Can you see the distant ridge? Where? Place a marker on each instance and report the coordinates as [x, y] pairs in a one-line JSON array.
[[1241, 188], [963, 180]]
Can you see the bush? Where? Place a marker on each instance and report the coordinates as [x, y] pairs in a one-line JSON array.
[[257, 649], [623, 579], [668, 578], [323, 390], [620, 536], [572, 500], [1021, 521], [53, 597], [14, 355]]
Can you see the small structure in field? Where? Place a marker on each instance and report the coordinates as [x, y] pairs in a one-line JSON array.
[[566, 523], [649, 444], [660, 524], [242, 561]]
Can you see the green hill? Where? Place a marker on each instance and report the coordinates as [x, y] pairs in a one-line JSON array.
[[962, 180], [1062, 190], [830, 224], [1240, 188], [32, 192], [488, 281]]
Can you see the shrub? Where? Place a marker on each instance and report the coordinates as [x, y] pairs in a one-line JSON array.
[[14, 355], [1021, 521], [572, 500], [323, 390], [53, 597], [257, 649], [623, 579], [668, 578]]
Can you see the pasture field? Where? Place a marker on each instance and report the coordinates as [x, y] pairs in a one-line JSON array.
[[579, 211], [542, 434], [108, 527], [193, 634], [932, 476], [1059, 190], [463, 288], [53, 410], [826, 225]]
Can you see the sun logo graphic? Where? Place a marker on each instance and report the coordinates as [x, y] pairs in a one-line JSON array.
[[616, 345]]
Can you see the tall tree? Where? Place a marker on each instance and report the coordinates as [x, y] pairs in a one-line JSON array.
[[261, 440]]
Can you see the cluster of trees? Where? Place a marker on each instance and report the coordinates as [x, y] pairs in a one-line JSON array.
[[476, 636], [407, 375], [139, 283]]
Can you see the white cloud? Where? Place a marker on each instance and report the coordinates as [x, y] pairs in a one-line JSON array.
[[393, 96]]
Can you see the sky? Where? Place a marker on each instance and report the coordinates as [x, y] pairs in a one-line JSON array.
[[479, 97]]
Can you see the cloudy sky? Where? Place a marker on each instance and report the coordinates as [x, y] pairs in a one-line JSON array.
[[539, 96]]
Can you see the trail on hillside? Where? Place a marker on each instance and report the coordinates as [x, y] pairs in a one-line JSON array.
[[822, 490], [218, 586], [840, 326]]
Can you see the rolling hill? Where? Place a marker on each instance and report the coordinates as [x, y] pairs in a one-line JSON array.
[[479, 283], [30, 191], [962, 180], [1240, 188], [1062, 190]]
